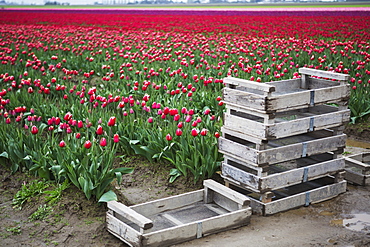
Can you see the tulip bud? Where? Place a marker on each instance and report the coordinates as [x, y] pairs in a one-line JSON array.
[[34, 130], [62, 144], [87, 144]]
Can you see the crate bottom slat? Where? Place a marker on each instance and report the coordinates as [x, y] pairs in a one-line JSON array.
[[295, 196]]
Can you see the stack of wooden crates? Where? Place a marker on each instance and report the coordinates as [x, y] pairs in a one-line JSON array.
[[282, 141]]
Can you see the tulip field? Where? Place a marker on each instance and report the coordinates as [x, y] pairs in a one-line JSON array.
[[80, 87]]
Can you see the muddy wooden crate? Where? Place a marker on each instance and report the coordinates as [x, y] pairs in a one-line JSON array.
[[179, 218], [271, 97], [259, 154], [295, 196], [283, 174], [358, 168]]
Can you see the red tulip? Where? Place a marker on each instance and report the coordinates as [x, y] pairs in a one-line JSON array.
[[168, 137], [103, 142], [80, 124], [194, 132], [178, 132], [176, 117], [62, 144], [78, 135], [34, 130], [112, 121], [204, 132], [150, 120], [217, 135], [99, 130], [68, 116], [116, 138], [87, 144]]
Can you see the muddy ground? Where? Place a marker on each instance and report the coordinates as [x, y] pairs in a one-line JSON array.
[[75, 221]]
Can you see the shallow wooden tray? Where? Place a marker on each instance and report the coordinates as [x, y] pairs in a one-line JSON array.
[[238, 146], [285, 124], [296, 196], [283, 174], [179, 218], [358, 168], [287, 95]]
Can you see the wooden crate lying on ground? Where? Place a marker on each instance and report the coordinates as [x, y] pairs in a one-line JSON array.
[[181, 218], [271, 97], [303, 194], [283, 174], [358, 168], [237, 145]]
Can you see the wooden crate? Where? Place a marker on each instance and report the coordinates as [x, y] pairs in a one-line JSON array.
[[179, 218], [287, 123], [281, 175], [358, 168], [240, 146], [295, 196], [271, 97]]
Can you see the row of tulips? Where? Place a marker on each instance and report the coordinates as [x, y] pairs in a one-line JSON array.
[[74, 94]]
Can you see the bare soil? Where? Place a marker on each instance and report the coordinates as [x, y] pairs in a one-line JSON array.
[[76, 221]]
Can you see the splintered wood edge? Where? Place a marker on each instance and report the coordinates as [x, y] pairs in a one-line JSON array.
[[130, 214], [227, 192]]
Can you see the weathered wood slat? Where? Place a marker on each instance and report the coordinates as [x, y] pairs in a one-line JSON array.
[[358, 168], [231, 220], [249, 84], [169, 203], [285, 86], [193, 230], [123, 231], [286, 100], [306, 98], [254, 101], [259, 130], [324, 74], [357, 178], [301, 199], [283, 153], [130, 214], [315, 83], [358, 164], [235, 132], [282, 179], [226, 192]]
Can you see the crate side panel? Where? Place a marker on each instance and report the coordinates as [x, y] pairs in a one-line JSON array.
[[123, 231], [237, 149], [246, 99], [169, 203], [311, 196], [226, 222], [170, 236]]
